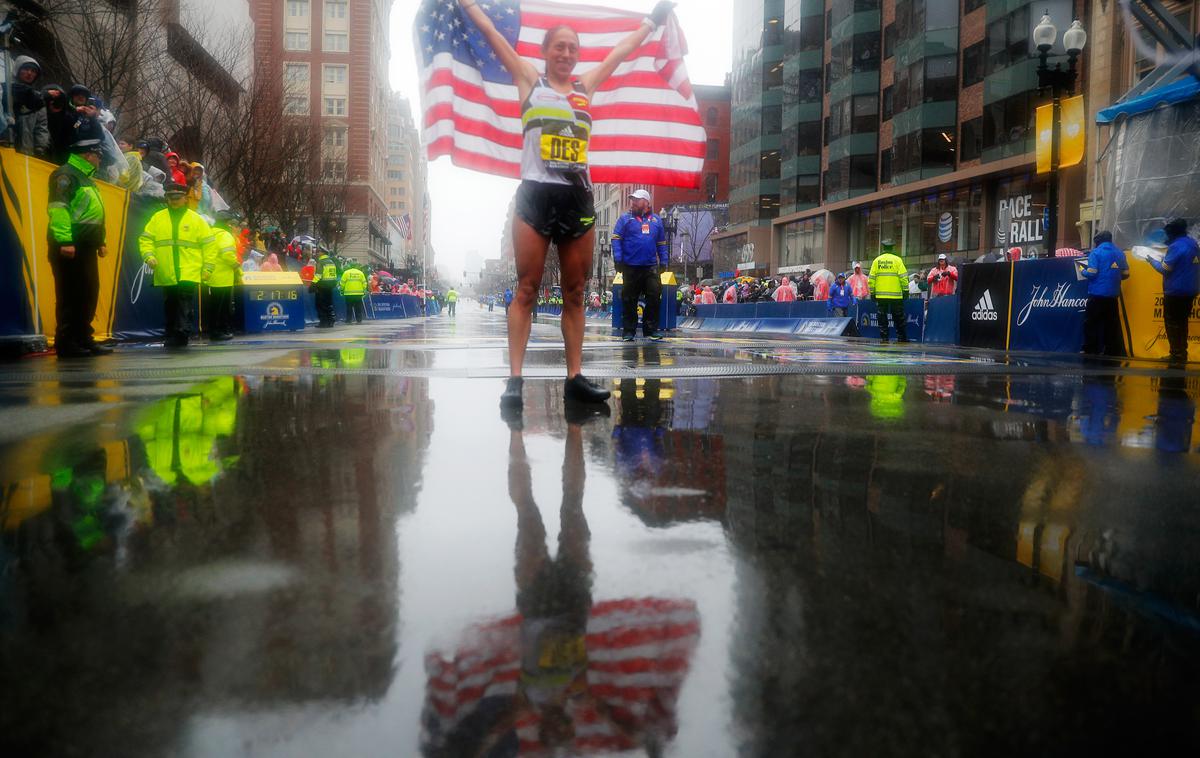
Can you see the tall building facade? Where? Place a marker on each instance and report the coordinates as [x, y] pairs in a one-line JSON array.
[[856, 121], [405, 186], [333, 55]]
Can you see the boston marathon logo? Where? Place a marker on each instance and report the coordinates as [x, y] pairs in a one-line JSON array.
[[1043, 298], [274, 316], [984, 310]]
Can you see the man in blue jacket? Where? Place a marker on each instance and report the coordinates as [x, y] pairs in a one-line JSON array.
[[1181, 282], [1106, 268], [639, 244]]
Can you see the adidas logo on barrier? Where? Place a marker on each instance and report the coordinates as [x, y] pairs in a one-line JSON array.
[[984, 310]]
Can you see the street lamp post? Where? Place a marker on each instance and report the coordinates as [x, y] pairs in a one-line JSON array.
[[605, 251], [670, 225], [1058, 81]]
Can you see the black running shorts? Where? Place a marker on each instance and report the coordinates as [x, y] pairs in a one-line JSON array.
[[560, 212]]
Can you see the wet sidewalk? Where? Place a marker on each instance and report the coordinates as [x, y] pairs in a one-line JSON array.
[[333, 545]]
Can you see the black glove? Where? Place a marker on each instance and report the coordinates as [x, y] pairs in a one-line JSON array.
[[661, 11]]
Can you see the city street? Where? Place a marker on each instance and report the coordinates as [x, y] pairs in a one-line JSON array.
[[329, 543]]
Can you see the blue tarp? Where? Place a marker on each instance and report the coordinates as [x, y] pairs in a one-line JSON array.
[[1168, 94]]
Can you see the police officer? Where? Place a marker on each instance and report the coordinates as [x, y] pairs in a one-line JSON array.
[[888, 282], [176, 244], [1180, 269], [221, 275], [76, 236], [639, 243], [325, 279], [451, 301], [353, 286]]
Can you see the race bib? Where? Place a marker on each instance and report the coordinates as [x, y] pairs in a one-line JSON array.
[[564, 153]]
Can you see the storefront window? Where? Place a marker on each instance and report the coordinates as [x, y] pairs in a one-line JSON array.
[[803, 243], [922, 227]]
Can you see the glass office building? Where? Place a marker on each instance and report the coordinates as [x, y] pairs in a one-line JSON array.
[[861, 120]]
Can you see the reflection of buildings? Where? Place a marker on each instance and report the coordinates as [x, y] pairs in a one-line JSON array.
[[916, 572], [231, 544], [666, 474]]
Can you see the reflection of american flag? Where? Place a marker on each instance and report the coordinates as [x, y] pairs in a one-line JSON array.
[[638, 652], [646, 125], [406, 226]]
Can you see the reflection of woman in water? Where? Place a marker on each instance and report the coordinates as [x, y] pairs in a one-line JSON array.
[[554, 595], [566, 676]]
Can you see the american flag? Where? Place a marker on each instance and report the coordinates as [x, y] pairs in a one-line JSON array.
[[639, 652], [406, 226], [646, 124]]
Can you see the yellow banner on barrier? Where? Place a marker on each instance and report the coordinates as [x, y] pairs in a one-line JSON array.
[[271, 278], [1071, 138], [1142, 309], [28, 180]]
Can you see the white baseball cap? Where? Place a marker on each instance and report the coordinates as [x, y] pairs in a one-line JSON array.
[[942, 257], [640, 194]]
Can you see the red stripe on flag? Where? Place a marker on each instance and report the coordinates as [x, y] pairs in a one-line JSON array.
[[473, 93], [679, 114], [652, 177], [482, 129], [580, 24], [663, 145], [467, 159]]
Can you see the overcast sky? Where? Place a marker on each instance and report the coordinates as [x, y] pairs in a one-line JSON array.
[[469, 207]]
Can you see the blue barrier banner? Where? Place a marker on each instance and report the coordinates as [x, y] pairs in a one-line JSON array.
[[1048, 306], [385, 306], [941, 321], [808, 327], [914, 319]]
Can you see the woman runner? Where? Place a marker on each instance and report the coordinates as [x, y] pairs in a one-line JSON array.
[[554, 201]]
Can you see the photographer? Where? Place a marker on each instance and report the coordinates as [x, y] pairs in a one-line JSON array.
[[943, 278]]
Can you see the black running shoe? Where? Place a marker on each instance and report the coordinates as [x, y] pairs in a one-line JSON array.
[[580, 390], [627, 337], [511, 397]]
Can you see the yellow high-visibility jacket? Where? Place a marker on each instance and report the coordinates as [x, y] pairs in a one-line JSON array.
[[180, 250], [889, 278], [353, 282], [223, 269]]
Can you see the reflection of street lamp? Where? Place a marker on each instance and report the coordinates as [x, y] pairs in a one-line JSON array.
[[1057, 81]]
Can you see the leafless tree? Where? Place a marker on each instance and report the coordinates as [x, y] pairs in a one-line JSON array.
[[692, 236]]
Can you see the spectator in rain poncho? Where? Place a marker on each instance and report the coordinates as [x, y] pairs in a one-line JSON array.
[[731, 294], [254, 262], [784, 292], [199, 196], [271, 264]]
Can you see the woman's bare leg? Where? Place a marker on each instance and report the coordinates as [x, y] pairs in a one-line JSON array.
[[529, 249], [575, 261]]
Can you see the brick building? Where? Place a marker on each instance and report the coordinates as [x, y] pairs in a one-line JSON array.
[[333, 55]]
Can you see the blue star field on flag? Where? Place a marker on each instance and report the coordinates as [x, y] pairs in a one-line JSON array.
[[442, 26]]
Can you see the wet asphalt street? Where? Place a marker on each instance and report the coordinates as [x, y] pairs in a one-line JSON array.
[[331, 544]]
